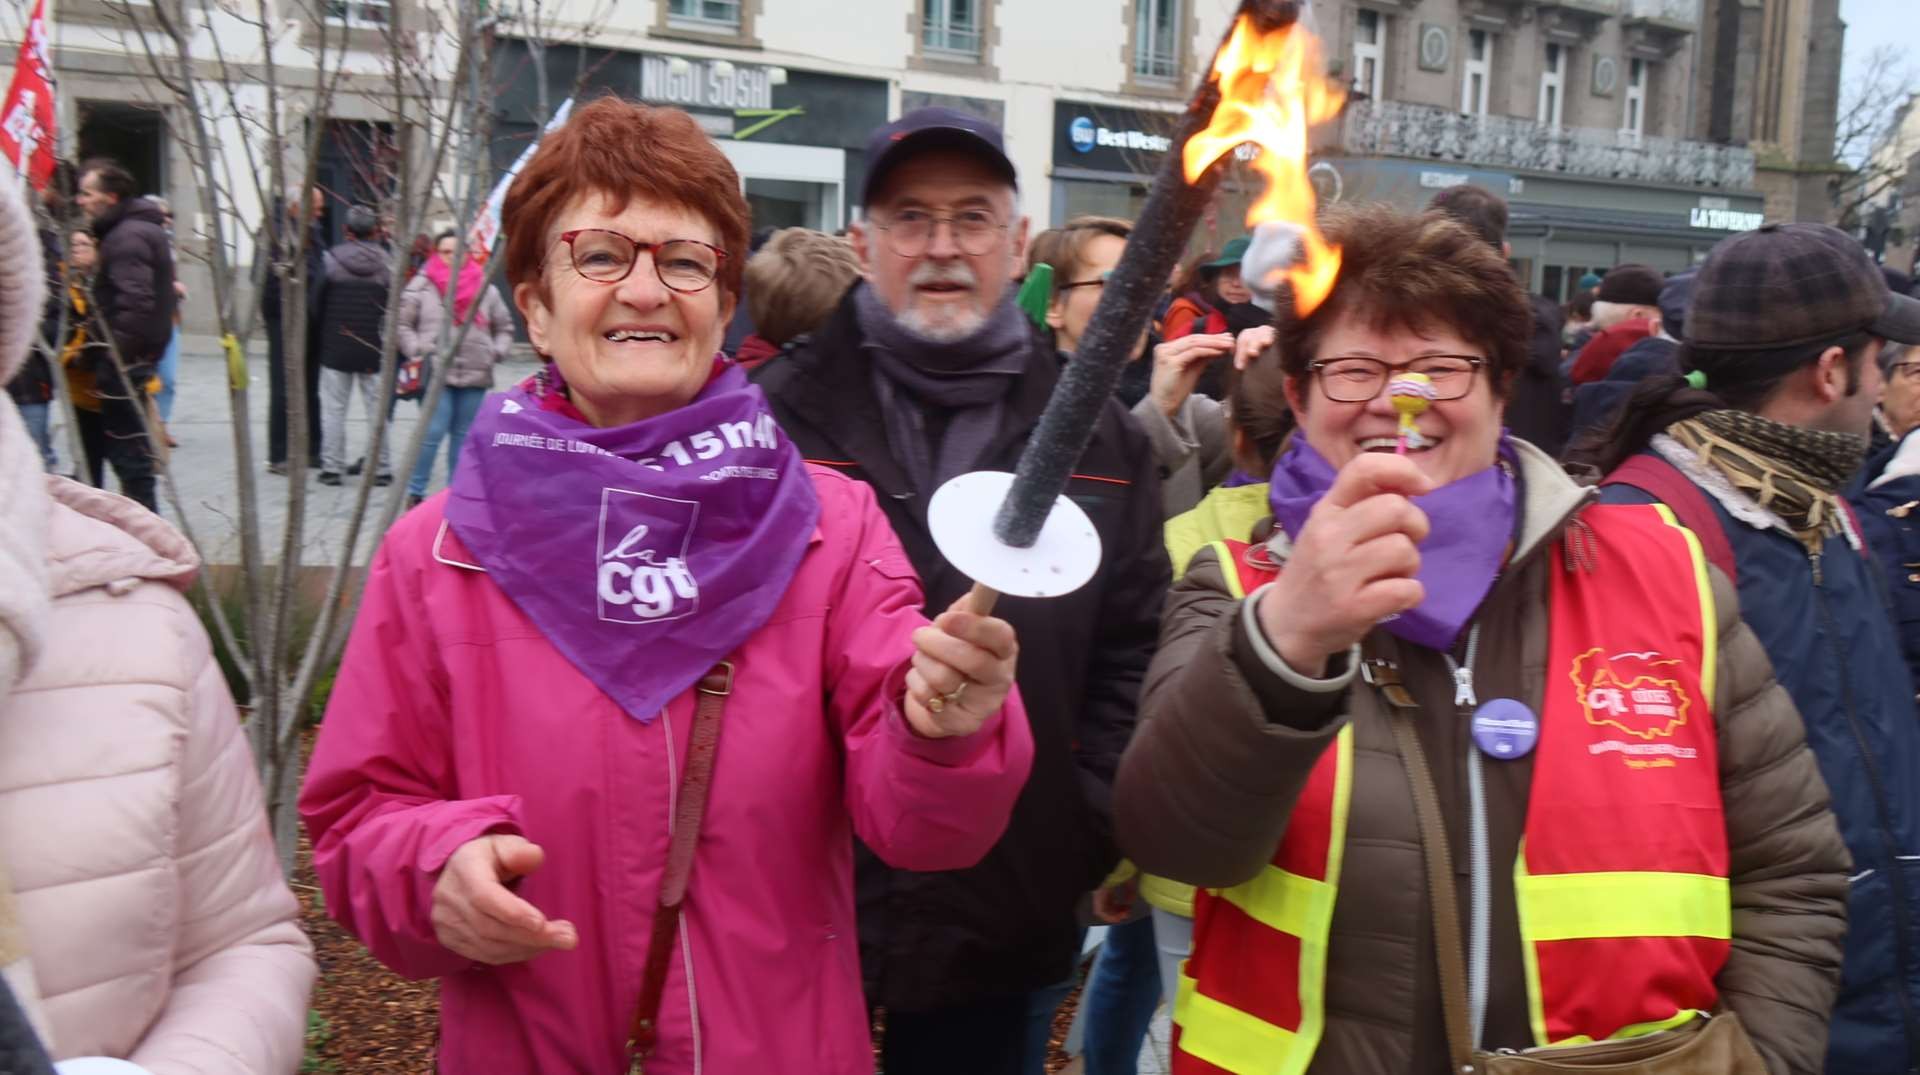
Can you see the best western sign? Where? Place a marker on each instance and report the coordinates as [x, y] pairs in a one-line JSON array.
[[1107, 139]]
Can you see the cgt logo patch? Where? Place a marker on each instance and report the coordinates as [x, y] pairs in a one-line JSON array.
[[642, 574], [1632, 692]]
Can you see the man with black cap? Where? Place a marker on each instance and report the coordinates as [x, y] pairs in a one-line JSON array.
[[1750, 450], [1626, 310], [929, 370]]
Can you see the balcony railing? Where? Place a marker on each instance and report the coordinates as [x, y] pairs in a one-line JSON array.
[[1424, 132], [1677, 11], [1590, 7]]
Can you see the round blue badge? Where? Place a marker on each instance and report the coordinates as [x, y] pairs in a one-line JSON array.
[[1505, 729]]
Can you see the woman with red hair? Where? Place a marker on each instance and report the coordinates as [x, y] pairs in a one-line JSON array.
[[616, 704]]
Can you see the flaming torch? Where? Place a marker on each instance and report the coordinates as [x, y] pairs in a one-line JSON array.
[[1266, 86]]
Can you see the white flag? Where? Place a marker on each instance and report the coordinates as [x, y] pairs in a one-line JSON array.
[[487, 226]]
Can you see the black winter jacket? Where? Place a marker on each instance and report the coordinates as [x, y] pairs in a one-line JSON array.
[[34, 382], [1540, 410], [133, 284], [1007, 925], [349, 307], [1595, 403], [275, 231]]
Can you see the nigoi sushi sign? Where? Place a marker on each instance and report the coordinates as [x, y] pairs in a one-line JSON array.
[[712, 85]]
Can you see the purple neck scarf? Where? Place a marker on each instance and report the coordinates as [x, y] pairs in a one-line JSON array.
[[647, 552], [1472, 528]]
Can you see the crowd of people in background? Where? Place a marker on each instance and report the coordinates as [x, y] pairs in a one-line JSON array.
[[114, 315], [1570, 710]]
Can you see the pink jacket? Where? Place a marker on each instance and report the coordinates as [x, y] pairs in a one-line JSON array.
[[160, 928], [454, 717]]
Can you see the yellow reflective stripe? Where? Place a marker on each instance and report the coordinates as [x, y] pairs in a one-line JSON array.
[[1229, 1038], [1585, 906], [1229, 568], [1637, 1030], [1342, 800], [1536, 1011], [1284, 901], [1314, 941], [1709, 621], [1302, 908], [1578, 906]]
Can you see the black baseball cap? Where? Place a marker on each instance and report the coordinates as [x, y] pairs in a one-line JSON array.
[[926, 129], [1631, 285], [1784, 285]]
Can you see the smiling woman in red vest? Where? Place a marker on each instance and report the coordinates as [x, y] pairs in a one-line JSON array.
[[1469, 763]]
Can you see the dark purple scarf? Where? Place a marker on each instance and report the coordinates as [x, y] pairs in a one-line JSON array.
[[1472, 527], [644, 552]]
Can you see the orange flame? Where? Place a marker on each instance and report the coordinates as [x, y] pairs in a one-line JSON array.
[[1272, 89]]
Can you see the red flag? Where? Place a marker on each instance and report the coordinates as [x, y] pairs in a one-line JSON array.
[[26, 118]]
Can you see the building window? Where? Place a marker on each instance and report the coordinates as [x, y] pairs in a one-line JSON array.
[[1479, 73], [704, 14], [1369, 50], [376, 13], [1156, 39], [1636, 118], [952, 26], [1552, 86]]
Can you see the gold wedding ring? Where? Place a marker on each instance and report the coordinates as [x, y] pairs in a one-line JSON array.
[[939, 702]]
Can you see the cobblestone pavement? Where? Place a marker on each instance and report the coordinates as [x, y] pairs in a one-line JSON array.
[[204, 464]]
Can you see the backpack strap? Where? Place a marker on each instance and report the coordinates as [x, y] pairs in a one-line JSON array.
[[1663, 481]]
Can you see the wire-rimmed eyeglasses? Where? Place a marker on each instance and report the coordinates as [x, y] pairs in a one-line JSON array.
[[910, 231]]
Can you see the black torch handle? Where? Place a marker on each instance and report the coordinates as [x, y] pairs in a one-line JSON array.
[[1166, 222]]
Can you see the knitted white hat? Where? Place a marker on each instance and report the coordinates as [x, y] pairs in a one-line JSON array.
[[24, 504]]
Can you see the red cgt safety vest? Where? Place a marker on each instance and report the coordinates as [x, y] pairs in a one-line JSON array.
[[1621, 882]]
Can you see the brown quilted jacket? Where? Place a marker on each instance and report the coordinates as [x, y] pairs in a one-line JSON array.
[[1225, 745]]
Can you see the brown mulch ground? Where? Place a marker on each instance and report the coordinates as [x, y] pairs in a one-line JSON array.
[[371, 1021]]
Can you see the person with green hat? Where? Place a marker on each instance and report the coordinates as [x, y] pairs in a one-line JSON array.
[[1216, 285]]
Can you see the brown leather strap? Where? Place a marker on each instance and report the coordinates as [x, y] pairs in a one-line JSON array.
[[1446, 903], [691, 806]]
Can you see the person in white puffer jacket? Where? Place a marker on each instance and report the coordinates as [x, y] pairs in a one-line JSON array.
[[139, 872]]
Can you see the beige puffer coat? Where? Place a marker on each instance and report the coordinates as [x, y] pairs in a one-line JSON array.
[[488, 341], [159, 926]]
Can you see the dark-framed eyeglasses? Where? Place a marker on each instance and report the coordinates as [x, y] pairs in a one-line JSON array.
[[608, 257], [1098, 281], [910, 231], [1355, 379]]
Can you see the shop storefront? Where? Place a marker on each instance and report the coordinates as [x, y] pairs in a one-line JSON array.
[[1568, 228], [1105, 158], [1560, 228], [796, 137]]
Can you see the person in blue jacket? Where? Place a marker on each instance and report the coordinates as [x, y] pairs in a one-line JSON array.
[[1751, 449], [1886, 496], [1595, 402]]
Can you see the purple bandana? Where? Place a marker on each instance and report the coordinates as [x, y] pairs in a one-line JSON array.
[[1472, 527], [644, 552]]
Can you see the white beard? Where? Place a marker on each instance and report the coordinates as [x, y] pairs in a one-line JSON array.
[[950, 323], [945, 327]]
